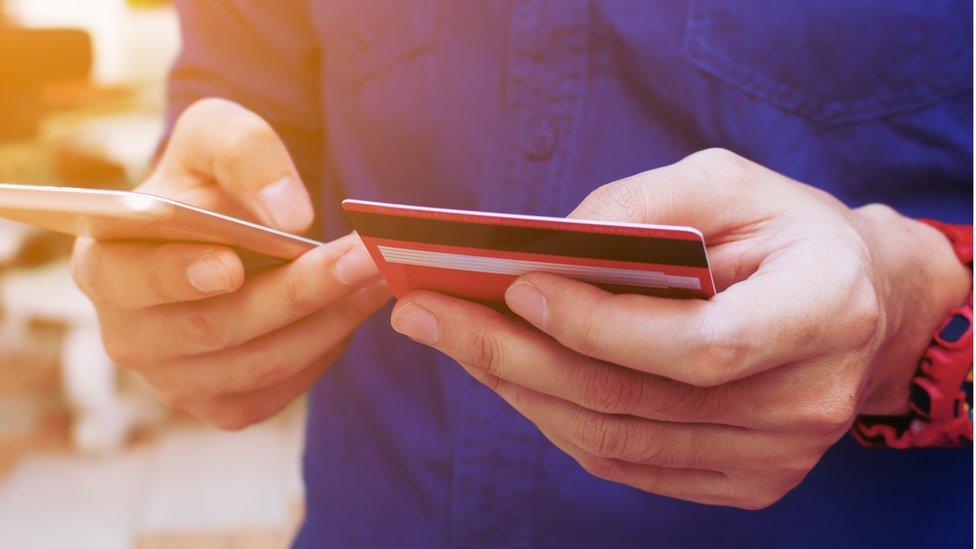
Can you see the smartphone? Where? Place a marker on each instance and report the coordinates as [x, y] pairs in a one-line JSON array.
[[129, 216], [477, 255]]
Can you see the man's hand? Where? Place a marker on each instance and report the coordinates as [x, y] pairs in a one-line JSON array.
[[228, 350], [822, 315]]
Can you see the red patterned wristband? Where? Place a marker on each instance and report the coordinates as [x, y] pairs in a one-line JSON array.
[[941, 396]]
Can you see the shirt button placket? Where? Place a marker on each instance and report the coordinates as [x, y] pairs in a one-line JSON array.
[[495, 463]]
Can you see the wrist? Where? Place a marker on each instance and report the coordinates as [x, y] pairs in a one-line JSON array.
[[920, 281]]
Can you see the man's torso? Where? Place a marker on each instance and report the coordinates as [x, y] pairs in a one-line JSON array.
[[526, 106]]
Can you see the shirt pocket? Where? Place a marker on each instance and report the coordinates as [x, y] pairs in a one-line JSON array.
[[835, 62], [366, 37]]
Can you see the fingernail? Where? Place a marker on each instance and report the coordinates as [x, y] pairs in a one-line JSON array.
[[415, 322], [527, 302], [284, 204], [355, 266], [209, 275]]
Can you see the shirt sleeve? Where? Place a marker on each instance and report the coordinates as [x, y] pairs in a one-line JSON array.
[[261, 54]]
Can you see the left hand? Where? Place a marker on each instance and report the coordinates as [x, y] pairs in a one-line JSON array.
[[731, 401]]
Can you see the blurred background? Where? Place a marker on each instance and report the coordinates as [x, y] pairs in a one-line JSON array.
[[88, 458]]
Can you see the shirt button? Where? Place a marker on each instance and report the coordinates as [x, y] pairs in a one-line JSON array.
[[541, 143]]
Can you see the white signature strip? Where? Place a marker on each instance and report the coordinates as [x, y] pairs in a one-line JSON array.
[[518, 267]]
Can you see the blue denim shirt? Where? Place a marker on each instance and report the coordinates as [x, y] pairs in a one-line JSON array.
[[526, 106]]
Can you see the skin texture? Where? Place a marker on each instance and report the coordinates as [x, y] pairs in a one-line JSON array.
[[230, 350], [821, 316]]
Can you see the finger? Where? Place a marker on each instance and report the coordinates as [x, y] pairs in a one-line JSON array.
[[703, 190], [265, 303], [636, 440], [767, 314], [711, 190], [767, 320], [133, 276], [483, 340], [693, 484], [223, 141], [697, 485], [271, 359], [237, 411], [745, 490]]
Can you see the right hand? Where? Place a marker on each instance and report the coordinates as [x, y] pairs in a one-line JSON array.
[[230, 351]]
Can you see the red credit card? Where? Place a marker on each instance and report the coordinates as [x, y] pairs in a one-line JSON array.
[[477, 255]]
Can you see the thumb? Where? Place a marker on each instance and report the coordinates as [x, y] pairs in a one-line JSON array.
[[222, 141], [712, 190]]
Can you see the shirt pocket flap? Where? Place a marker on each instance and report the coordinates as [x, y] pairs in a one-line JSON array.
[[835, 62]]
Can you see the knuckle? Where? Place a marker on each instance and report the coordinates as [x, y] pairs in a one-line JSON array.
[[483, 352], [589, 335], [159, 286], [652, 452], [687, 399], [202, 329], [353, 307], [880, 211], [710, 374], [174, 390], [719, 164], [205, 105], [716, 156], [174, 399], [719, 158], [248, 137], [756, 493], [255, 371], [832, 413], [760, 499], [192, 112], [304, 295], [516, 394], [236, 419], [597, 434], [789, 482], [865, 316], [494, 383], [719, 353], [236, 416], [774, 489], [200, 113], [620, 199], [600, 467], [607, 436], [121, 350], [715, 361], [797, 466], [612, 390], [652, 484]]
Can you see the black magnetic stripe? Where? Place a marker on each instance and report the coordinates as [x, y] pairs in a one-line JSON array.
[[615, 247]]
